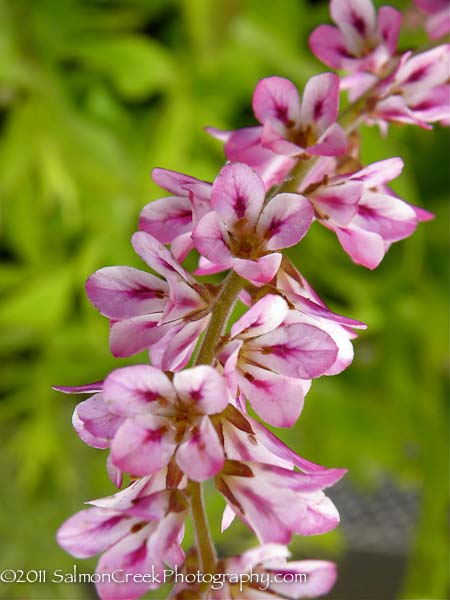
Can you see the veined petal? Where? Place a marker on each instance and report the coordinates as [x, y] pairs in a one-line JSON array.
[[97, 418], [274, 139], [320, 102], [183, 300], [356, 20], [321, 515], [277, 399], [181, 246], [132, 336], [91, 531], [87, 388], [328, 44], [181, 345], [320, 577], [386, 215], [238, 195], [297, 350], [130, 556], [264, 316], [389, 23], [331, 143], [259, 271], [284, 221], [157, 256], [143, 445], [166, 218], [378, 173], [211, 240], [276, 98], [175, 183], [364, 247], [125, 292], [338, 202], [201, 455], [202, 387], [136, 389]]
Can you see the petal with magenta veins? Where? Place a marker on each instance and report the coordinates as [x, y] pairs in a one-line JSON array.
[[238, 195], [338, 202], [132, 336], [364, 247], [284, 221], [97, 418], [202, 387], [378, 173], [297, 350], [328, 45], [331, 143], [276, 98], [274, 139], [389, 22], [320, 577], [173, 182], [142, 445], [259, 271], [157, 256], [137, 389], [356, 19], [181, 346], [320, 102], [125, 292], [166, 218], [276, 399], [264, 316], [389, 217], [91, 531], [211, 240], [201, 455], [87, 388], [181, 246], [183, 300]]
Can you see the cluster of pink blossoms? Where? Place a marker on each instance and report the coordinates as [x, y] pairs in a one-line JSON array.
[[183, 418]]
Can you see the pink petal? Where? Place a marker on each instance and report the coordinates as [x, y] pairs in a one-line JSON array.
[[125, 292], [157, 256], [285, 221], [274, 138], [201, 455], [386, 215], [130, 556], [320, 102], [297, 350], [202, 388], [206, 267], [238, 194], [364, 247], [142, 445], [338, 202], [211, 240], [115, 475], [276, 98], [97, 418], [328, 44], [181, 246], [331, 143], [183, 300], [181, 346], [135, 335], [79, 389], [91, 531], [174, 182], [166, 218], [320, 577], [264, 316], [389, 24], [321, 516], [136, 389], [277, 399], [259, 271], [438, 25], [86, 436], [356, 20], [379, 173]]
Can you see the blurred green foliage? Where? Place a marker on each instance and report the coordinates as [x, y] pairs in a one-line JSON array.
[[93, 94]]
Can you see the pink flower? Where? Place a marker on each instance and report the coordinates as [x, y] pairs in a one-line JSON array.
[[147, 311], [163, 418], [417, 92], [271, 362], [138, 530], [171, 220], [362, 40], [438, 23], [289, 128], [276, 502], [363, 212], [271, 560], [243, 233]]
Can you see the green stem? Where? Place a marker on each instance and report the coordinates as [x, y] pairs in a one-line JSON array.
[[222, 307], [205, 545]]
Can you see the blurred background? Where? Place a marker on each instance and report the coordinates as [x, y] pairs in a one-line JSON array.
[[93, 95]]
